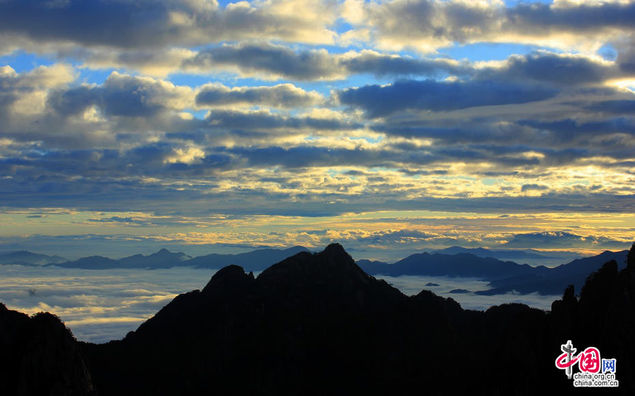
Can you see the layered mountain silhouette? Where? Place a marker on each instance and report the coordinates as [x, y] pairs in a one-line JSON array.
[[317, 324], [503, 276], [256, 260], [553, 280], [518, 255], [23, 257], [161, 259], [480, 263]]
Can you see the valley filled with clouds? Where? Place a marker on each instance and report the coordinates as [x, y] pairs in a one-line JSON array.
[[103, 305]]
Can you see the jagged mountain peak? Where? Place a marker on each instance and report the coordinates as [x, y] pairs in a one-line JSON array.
[[230, 277], [331, 264]]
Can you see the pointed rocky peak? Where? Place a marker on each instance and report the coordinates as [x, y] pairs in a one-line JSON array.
[[337, 252], [231, 277], [163, 252], [333, 264], [334, 247]]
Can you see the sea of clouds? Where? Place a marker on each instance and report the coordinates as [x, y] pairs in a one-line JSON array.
[[99, 306]]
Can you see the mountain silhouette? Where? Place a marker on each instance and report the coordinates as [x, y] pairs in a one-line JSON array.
[[553, 280], [503, 276], [316, 324], [40, 357], [23, 257], [256, 260], [456, 265], [528, 256], [161, 259]]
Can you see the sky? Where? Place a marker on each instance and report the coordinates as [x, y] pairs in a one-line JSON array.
[[388, 126]]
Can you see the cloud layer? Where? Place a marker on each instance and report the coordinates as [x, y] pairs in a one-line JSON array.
[[317, 109]]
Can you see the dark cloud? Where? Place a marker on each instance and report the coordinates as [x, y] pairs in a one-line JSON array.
[[578, 18], [247, 122], [268, 59], [626, 53], [73, 101], [378, 101], [389, 65], [409, 23], [572, 131], [307, 156], [128, 24], [95, 22], [304, 64], [564, 70], [562, 239], [626, 107], [538, 66], [121, 95], [533, 187]]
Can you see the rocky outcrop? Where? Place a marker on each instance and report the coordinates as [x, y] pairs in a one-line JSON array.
[[40, 357]]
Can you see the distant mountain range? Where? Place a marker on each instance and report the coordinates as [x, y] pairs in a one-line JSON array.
[[503, 276], [23, 257], [317, 324], [256, 260], [528, 256]]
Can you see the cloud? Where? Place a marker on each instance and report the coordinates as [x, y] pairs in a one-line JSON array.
[[267, 59], [533, 187], [379, 64], [271, 61], [254, 122], [428, 24], [123, 95], [281, 96], [623, 107], [130, 24], [378, 101], [563, 240], [19, 90], [97, 306], [626, 53], [552, 68]]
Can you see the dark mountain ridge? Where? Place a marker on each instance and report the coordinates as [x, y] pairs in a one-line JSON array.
[[317, 324], [503, 276], [40, 357], [509, 254], [23, 257], [256, 260]]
